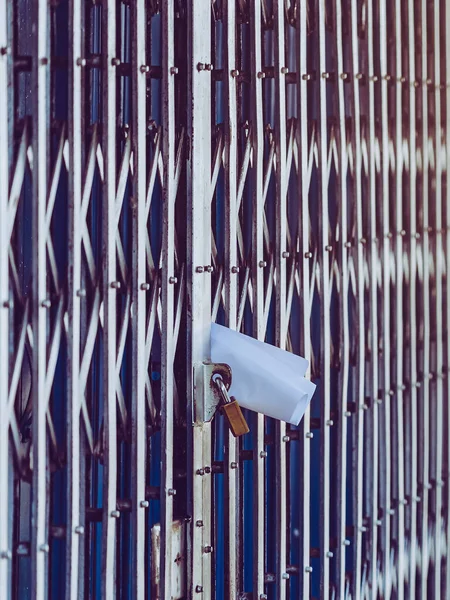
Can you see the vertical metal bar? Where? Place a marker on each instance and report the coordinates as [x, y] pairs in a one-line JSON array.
[[425, 362], [138, 415], [5, 508], [75, 128], [399, 397], [41, 113], [386, 333], [344, 337], [169, 71], [199, 284], [438, 260], [109, 301], [233, 540], [413, 329], [280, 267], [325, 335], [374, 334], [305, 296], [258, 286], [447, 291]]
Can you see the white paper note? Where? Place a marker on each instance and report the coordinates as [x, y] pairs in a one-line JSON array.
[[266, 379]]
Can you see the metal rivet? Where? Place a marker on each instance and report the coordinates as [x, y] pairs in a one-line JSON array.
[[81, 293], [115, 285], [374, 78], [417, 498], [417, 236], [207, 470], [172, 492], [284, 575], [284, 70], [402, 232], [44, 61], [404, 501], [5, 50], [428, 486], [362, 241], [325, 75], [144, 504], [378, 523], [199, 269], [144, 68], [115, 514], [209, 67], [348, 244], [79, 529], [145, 287], [234, 465], [308, 254], [174, 70], [330, 423], [263, 597], [263, 454], [81, 62], [209, 268], [306, 77], [207, 549], [262, 264], [6, 554], [261, 75], [391, 511], [198, 589], [46, 304], [173, 280], [346, 543], [344, 76], [328, 248], [309, 435], [359, 76], [285, 254], [7, 304], [200, 67], [379, 401], [363, 529], [387, 77], [286, 438], [235, 269], [115, 62], [347, 413], [234, 73], [199, 523], [308, 569], [44, 548], [329, 554], [200, 472]]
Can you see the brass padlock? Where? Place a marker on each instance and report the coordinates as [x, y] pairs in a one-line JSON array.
[[232, 411], [236, 420]]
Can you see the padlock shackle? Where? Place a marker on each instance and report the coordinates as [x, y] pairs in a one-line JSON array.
[[222, 389]]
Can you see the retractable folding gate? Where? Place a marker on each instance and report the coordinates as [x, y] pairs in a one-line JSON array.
[[280, 167]]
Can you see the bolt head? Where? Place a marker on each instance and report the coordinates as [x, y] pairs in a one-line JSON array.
[[286, 438], [144, 504], [198, 589], [235, 270], [199, 269], [263, 454], [172, 492], [81, 62], [261, 75], [199, 523], [234, 73], [234, 465], [6, 554], [115, 514], [284, 70], [79, 529]]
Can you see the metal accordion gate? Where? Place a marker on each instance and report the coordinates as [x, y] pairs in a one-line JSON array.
[[280, 168]]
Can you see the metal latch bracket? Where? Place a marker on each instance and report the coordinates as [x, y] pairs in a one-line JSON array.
[[206, 393]]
